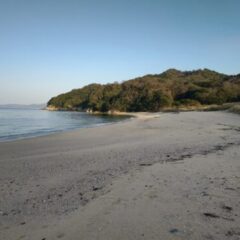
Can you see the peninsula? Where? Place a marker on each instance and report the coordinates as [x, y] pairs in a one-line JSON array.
[[151, 93]]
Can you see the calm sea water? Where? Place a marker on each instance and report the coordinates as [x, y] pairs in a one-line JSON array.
[[21, 123]]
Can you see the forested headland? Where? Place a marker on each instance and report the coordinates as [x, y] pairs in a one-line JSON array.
[[170, 89]]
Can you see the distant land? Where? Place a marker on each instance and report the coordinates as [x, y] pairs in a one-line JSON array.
[[153, 92], [22, 106]]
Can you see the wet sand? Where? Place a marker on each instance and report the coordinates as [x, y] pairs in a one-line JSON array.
[[170, 176]]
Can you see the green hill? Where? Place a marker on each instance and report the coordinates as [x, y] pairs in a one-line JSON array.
[[171, 88]]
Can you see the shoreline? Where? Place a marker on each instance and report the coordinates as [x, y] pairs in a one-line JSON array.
[[64, 184], [28, 136], [231, 106], [129, 115]]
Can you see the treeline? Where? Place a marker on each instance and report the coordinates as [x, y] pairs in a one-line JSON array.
[[172, 88]]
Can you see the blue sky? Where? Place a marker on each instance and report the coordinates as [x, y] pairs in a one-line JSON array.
[[52, 46]]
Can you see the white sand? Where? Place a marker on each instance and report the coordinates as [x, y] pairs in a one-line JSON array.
[[171, 177]]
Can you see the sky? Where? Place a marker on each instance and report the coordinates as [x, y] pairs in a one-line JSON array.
[[49, 47]]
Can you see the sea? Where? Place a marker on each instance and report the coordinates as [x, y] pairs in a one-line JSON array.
[[27, 123]]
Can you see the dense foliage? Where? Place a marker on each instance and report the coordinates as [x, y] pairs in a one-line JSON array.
[[154, 92]]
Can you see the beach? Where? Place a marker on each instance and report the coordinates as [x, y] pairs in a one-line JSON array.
[[157, 176]]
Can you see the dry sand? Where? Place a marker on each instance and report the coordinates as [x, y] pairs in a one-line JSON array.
[[173, 176]]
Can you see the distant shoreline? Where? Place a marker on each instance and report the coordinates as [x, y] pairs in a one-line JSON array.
[[232, 107], [23, 106]]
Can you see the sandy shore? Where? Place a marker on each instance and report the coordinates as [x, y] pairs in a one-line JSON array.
[[173, 176]]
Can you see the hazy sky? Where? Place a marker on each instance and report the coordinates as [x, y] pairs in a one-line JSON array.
[[52, 46]]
